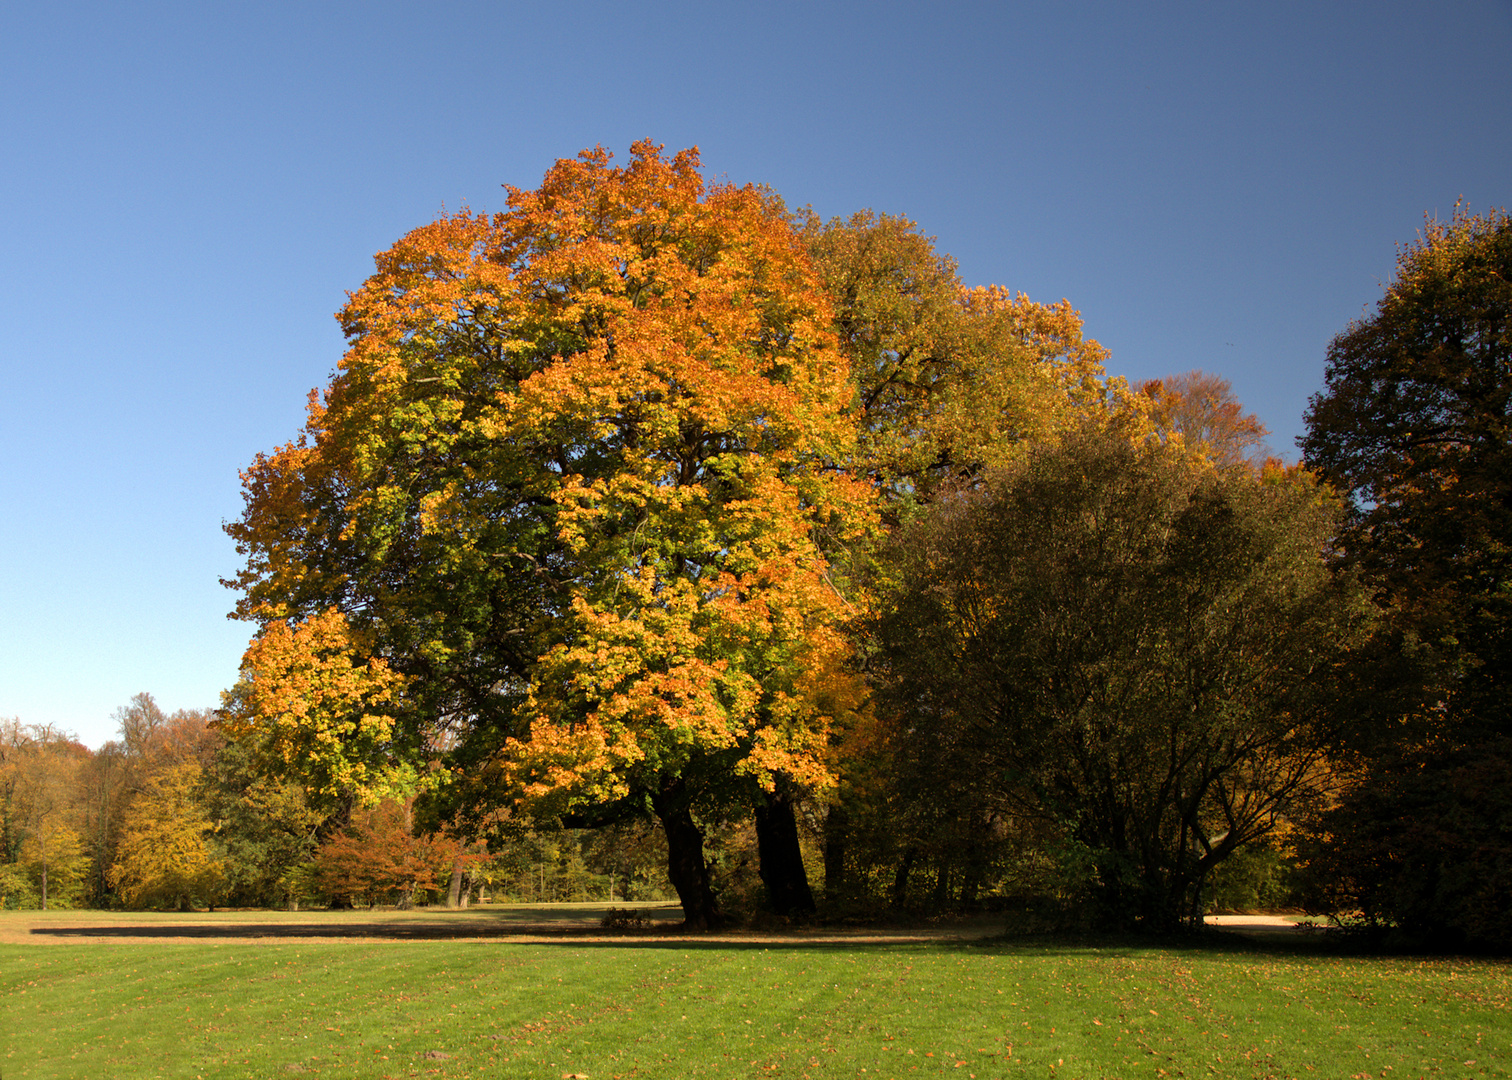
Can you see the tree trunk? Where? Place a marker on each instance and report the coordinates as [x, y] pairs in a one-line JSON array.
[[686, 867], [941, 898], [454, 893], [782, 870], [836, 841], [974, 870], [44, 885], [900, 879], [971, 883]]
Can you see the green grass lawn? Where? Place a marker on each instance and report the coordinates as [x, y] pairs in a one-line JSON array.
[[126, 1006]]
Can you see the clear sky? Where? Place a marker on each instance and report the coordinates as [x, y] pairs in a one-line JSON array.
[[189, 189]]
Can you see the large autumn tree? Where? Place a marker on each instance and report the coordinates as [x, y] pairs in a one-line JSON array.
[[1414, 424], [566, 513]]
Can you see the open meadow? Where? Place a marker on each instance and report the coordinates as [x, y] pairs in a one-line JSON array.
[[543, 992]]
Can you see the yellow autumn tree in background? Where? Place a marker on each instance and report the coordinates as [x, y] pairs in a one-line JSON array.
[[947, 380], [39, 771], [164, 858]]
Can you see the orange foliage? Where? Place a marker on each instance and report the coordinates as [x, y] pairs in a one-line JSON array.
[[1202, 410], [378, 853], [579, 483]]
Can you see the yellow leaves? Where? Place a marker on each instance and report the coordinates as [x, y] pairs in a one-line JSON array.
[[163, 857], [323, 706], [1034, 369], [947, 380], [436, 505]]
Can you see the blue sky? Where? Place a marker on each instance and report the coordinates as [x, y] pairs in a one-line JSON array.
[[190, 189]]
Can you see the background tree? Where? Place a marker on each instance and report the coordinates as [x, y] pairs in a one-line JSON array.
[[947, 379], [266, 827], [1201, 407], [149, 740], [164, 857], [44, 766], [43, 812], [53, 854], [378, 854], [1126, 646], [14, 738], [1414, 425], [104, 790]]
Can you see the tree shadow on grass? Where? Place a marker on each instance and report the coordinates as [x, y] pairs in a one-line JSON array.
[[375, 931], [587, 934]]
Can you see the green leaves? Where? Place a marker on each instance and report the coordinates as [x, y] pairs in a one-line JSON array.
[[1414, 426], [1118, 640]]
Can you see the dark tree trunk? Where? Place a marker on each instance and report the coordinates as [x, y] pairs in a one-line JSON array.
[[941, 899], [900, 879], [782, 870], [974, 872], [836, 841], [454, 893], [971, 884], [686, 868]]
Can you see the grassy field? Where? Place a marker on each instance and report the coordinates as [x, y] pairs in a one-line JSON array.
[[536, 993]]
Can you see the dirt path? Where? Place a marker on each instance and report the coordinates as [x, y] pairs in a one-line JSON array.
[[1265, 928]]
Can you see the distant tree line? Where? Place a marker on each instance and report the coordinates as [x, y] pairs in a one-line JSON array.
[[653, 538], [171, 815]]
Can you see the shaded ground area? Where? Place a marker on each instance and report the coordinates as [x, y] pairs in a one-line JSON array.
[[523, 923]]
